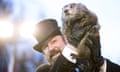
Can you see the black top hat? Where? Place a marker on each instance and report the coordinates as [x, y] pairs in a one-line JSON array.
[[44, 31]]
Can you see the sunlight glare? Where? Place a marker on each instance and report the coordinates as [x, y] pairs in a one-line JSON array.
[[6, 29], [27, 29]]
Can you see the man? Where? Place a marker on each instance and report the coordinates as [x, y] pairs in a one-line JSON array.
[[53, 44], [82, 31], [81, 28]]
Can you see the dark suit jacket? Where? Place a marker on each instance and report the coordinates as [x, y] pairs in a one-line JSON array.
[[112, 67], [63, 65], [60, 65], [43, 68]]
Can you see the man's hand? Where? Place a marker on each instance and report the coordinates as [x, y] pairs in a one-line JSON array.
[[93, 43]]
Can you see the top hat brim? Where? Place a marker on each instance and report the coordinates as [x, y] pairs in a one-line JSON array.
[[40, 45]]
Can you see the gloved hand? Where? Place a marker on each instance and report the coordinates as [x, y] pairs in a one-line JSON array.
[[87, 49], [93, 43], [71, 53]]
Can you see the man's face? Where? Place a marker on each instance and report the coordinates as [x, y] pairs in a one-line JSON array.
[[53, 48]]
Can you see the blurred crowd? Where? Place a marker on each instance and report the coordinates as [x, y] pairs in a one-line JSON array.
[[16, 53]]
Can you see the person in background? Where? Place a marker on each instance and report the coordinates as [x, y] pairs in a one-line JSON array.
[[26, 58], [4, 56]]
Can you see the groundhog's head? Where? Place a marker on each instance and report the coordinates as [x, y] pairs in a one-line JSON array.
[[76, 16], [73, 11]]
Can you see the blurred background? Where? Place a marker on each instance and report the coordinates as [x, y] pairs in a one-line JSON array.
[[17, 20]]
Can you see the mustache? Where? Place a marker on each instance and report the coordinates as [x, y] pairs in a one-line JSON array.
[[52, 53]]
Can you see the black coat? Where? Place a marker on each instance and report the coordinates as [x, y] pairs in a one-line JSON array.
[[112, 67], [60, 65], [63, 65]]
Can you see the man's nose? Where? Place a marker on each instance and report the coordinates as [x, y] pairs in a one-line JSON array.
[[50, 47]]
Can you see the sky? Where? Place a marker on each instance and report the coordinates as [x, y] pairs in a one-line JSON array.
[[106, 10]]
